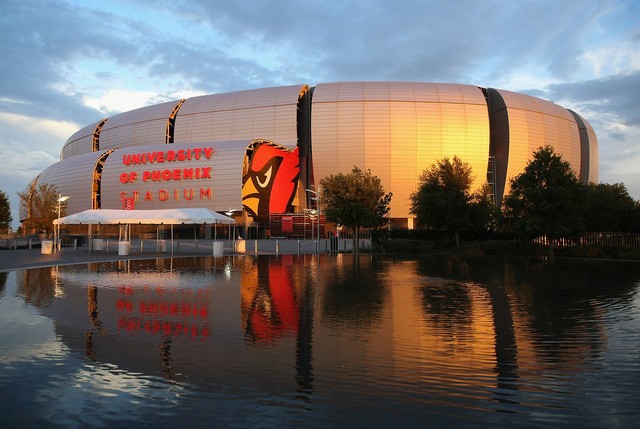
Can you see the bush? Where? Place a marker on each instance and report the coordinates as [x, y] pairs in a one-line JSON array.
[[442, 243], [599, 251], [406, 246], [505, 247]]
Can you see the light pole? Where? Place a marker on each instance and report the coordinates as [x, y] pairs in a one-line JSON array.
[[230, 214], [310, 213], [317, 200], [61, 199]]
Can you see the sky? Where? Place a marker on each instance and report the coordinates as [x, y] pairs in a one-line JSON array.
[[69, 63]]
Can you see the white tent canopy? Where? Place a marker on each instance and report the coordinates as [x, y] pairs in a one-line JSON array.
[[154, 217], [126, 218]]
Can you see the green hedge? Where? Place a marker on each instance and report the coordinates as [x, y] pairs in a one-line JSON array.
[[502, 247]]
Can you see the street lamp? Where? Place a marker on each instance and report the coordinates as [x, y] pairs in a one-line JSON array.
[[317, 200], [61, 199], [230, 214]]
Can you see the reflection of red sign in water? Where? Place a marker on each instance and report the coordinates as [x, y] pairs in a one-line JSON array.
[[269, 184], [287, 224], [164, 312], [164, 327]]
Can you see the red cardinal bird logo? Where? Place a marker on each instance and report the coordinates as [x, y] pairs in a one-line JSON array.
[[269, 184]]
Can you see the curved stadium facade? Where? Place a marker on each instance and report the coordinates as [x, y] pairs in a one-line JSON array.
[[258, 150]]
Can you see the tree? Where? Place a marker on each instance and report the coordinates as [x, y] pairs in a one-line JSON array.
[[41, 206], [610, 208], [545, 199], [5, 211], [355, 200], [443, 199]]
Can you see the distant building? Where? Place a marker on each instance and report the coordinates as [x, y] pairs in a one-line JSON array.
[[256, 151]]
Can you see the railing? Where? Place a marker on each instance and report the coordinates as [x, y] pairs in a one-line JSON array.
[[614, 239], [19, 243]]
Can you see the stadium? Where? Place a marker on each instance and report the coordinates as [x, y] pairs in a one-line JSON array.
[[257, 153]]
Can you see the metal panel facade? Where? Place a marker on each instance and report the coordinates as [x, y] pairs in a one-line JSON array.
[[268, 113], [397, 130], [594, 171], [589, 145], [534, 123], [140, 127], [73, 177], [80, 142]]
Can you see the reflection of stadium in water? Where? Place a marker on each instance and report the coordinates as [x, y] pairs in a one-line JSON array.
[[269, 302], [447, 330], [179, 316]]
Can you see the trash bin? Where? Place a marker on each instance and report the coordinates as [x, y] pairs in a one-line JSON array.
[[98, 244], [218, 248], [162, 246], [123, 248], [47, 247]]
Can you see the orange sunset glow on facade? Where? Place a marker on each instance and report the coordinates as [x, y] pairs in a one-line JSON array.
[[260, 149]]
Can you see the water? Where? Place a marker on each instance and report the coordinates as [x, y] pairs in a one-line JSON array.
[[321, 341]]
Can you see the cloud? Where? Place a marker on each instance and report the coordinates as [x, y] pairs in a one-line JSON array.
[[76, 52], [28, 145], [74, 62], [23, 135], [612, 106], [613, 96], [114, 101], [414, 40], [34, 43]]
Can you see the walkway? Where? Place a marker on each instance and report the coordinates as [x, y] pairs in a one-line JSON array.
[[12, 259]]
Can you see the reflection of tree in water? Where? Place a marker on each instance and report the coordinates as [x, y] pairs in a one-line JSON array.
[[556, 300], [96, 323], [563, 302], [354, 292], [448, 306], [491, 277], [451, 267], [445, 297], [559, 307], [36, 286]]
